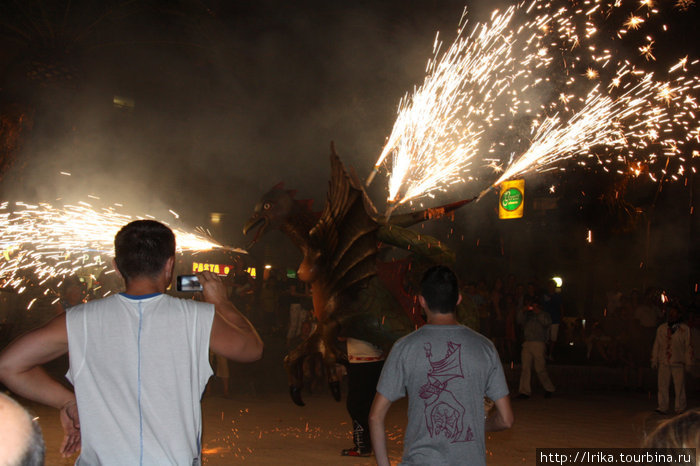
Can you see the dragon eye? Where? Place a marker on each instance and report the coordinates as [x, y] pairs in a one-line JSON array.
[[267, 206]]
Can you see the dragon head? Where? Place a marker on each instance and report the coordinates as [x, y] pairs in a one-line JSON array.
[[276, 208], [273, 209]]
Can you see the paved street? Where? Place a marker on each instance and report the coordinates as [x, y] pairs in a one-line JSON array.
[[269, 429]]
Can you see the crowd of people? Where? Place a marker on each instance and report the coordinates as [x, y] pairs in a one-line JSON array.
[[530, 322], [146, 355], [620, 333], [277, 303]]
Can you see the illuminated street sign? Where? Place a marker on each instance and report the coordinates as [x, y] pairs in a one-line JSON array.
[[511, 199], [219, 269]]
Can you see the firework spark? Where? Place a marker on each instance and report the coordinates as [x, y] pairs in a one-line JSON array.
[[44, 241], [629, 122], [634, 22], [555, 140], [647, 50], [591, 74], [684, 5], [446, 117], [499, 73]]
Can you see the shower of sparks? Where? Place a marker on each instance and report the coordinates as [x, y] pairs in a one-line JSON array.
[[628, 121], [45, 242], [441, 124], [545, 62]]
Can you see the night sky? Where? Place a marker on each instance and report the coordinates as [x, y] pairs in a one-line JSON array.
[[230, 98]]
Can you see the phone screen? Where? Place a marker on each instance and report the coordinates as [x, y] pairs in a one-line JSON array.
[[188, 283]]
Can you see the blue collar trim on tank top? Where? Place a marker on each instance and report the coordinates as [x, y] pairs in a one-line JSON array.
[[140, 296]]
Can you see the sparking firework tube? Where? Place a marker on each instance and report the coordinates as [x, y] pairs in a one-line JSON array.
[[371, 176]]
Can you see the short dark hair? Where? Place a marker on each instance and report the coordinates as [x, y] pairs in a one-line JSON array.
[[440, 289], [142, 248]]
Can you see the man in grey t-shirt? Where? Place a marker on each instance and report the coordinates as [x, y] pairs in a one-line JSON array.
[[446, 370]]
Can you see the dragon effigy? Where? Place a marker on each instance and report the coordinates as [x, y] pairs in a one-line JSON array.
[[355, 294]]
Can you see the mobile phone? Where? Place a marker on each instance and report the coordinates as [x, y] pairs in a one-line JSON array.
[[188, 283]]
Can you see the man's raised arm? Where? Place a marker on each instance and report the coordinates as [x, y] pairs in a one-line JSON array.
[[232, 335]]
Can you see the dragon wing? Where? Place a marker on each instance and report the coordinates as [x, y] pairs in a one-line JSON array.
[[345, 234]]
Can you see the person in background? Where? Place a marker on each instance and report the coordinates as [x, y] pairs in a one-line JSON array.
[[446, 370], [365, 362], [511, 340], [631, 352], [242, 287], [21, 442], [467, 312], [535, 323], [72, 292], [613, 298], [647, 316], [497, 316], [672, 354], [552, 304], [139, 360], [532, 293], [298, 299], [269, 298]]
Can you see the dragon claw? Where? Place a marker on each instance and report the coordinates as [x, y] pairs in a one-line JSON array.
[[295, 393]]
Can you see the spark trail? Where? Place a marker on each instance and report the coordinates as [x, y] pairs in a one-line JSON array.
[[626, 123], [439, 128], [544, 62], [45, 242]]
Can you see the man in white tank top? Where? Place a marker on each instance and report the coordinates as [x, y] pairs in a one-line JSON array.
[[138, 360]]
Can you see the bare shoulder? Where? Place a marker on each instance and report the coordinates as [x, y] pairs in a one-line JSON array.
[[54, 329]]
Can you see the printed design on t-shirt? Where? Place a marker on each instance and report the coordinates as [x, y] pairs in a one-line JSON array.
[[444, 414]]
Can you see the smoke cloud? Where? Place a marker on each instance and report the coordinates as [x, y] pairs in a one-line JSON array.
[[205, 110]]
